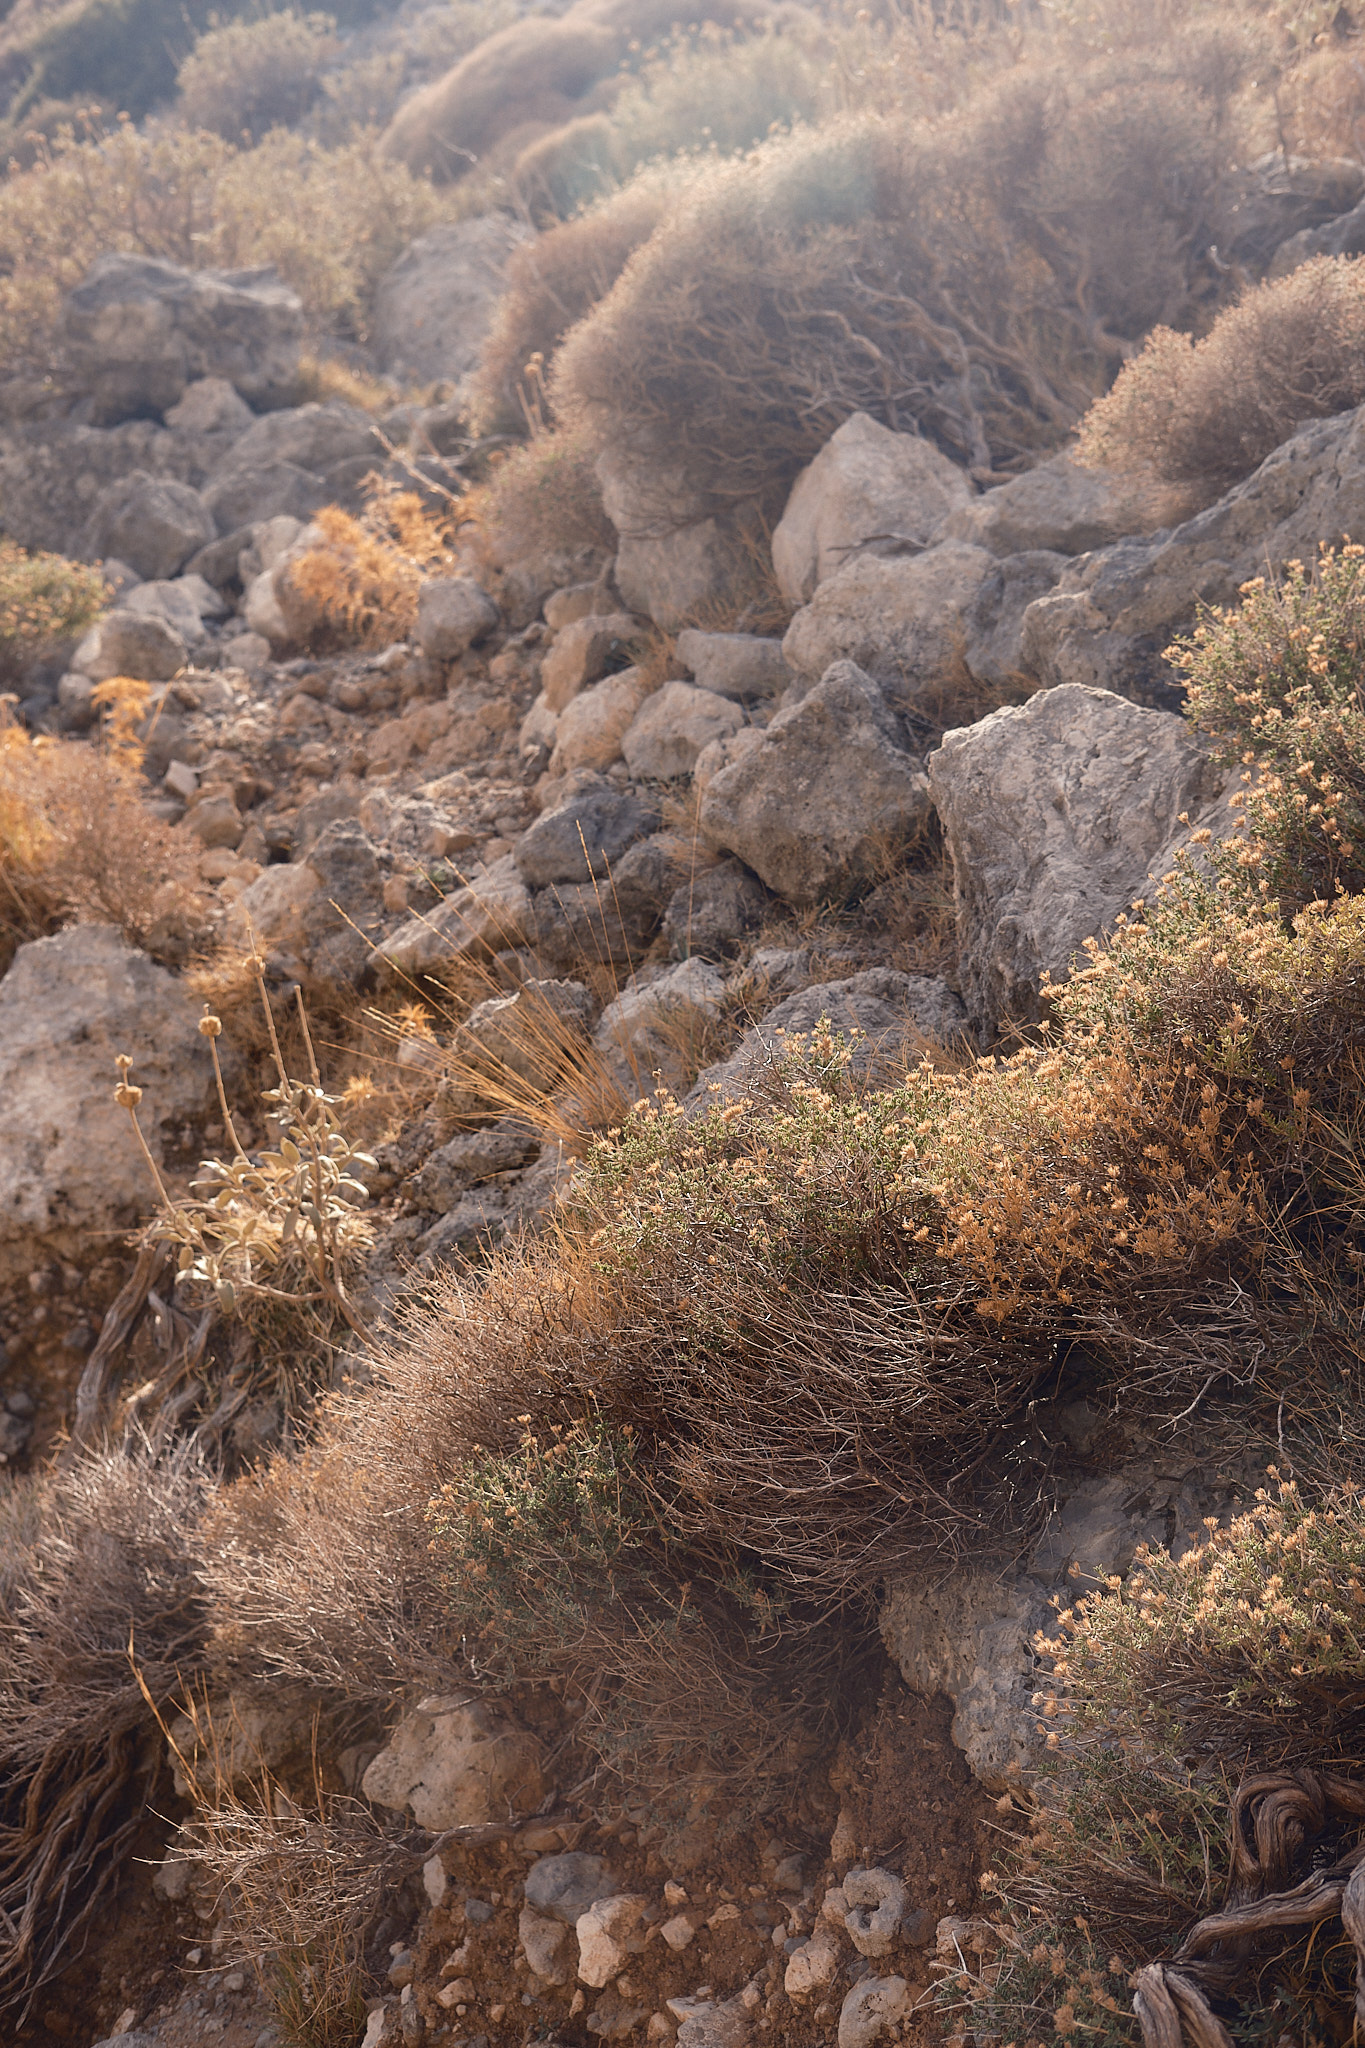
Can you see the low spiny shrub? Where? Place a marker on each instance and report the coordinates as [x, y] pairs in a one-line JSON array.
[[359, 585], [1276, 683], [1209, 411]]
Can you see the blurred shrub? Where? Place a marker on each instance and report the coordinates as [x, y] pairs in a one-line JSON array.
[[542, 498], [43, 599], [250, 76], [359, 588], [1209, 411], [708, 89], [331, 221]]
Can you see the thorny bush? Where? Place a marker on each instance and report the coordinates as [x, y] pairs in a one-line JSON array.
[[1276, 684], [359, 586]]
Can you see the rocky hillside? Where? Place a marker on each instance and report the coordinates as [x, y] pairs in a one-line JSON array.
[[683, 833]]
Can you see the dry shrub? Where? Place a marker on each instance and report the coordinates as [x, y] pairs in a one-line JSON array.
[[533, 74], [101, 1611], [44, 599], [331, 221], [246, 77], [1209, 411], [1321, 104], [77, 842], [360, 588], [542, 499], [550, 284], [708, 89], [974, 281]]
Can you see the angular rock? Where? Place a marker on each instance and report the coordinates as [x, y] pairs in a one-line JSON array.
[[1058, 814], [137, 331], [606, 1936], [210, 407], [874, 2005], [582, 653], [643, 1036], [734, 664], [868, 488], [673, 726], [1112, 613], [564, 1887], [265, 490], [319, 915], [1064, 509], [183, 602], [711, 2022], [721, 753], [452, 613], [452, 1763], [674, 560], [314, 438], [1344, 236], [72, 1170], [544, 1943], [900, 620], [434, 306], [711, 914], [894, 1012], [128, 643], [490, 914], [154, 524], [531, 1033], [594, 815], [993, 623], [595, 722], [469, 1158], [827, 797]]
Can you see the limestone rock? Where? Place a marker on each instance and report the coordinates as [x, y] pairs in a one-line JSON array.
[[894, 1012], [434, 306], [184, 602], [710, 915], [901, 621], [313, 438], [71, 1165], [1058, 814], [129, 643], [452, 613], [868, 488], [582, 653], [675, 558], [993, 623], [564, 1887], [606, 1936], [829, 793], [595, 722], [153, 523], [812, 1966], [490, 914], [453, 1763], [673, 726], [711, 2022], [544, 1943], [1113, 612], [875, 1902], [593, 816], [721, 753], [528, 1034], [318, 915], [871, 2007], [246, 495], [734, 664], [1065, 509], [137, 331], [642, 1033]]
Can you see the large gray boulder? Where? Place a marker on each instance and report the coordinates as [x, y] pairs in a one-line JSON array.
[[247, 496], [827, 797], [1113, 612], [900, 619], [1066, 509], [867, 489], [70, 1167], [53, 473], [130, 643], [1058, 814], [137, 331], [993, 623], [434, 307], [152, 523], [312, 437], [672, 727], [584, 835]]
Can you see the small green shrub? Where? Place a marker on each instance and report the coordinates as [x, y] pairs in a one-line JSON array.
[[1277, 684], [1210, 411], [249, 76], [43, 599]]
